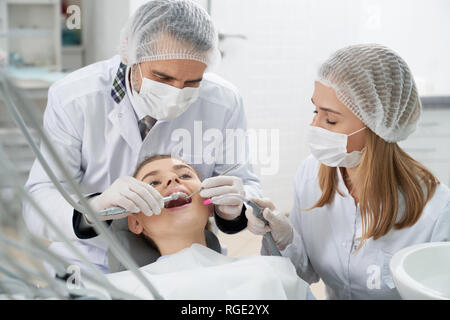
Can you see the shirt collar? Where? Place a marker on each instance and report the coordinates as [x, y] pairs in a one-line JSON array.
[[121, 87]]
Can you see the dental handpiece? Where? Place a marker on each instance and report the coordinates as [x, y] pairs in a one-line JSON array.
[[257, 211], [118, 212]]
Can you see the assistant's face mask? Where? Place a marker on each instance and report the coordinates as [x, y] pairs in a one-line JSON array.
[[162, 101], [330, 148]]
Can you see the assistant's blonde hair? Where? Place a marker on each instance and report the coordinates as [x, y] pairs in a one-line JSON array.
[[384, 171]]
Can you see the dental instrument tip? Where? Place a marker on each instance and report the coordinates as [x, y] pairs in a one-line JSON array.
[[175, 196], [207, 201]]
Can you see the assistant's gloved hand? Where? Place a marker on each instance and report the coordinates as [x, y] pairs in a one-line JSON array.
[[229, 208], [131, 194], [279, 224]]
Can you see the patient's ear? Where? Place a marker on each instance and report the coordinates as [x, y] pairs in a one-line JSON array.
[[134, 225]]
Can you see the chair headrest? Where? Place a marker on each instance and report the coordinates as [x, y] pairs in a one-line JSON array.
[[140, 250]]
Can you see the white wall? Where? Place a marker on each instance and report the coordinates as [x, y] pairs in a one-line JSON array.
[[102, 21], [275, 67], [418, 30]]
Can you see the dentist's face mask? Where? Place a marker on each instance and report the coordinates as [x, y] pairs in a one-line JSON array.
[[162, 101], [330, 148]]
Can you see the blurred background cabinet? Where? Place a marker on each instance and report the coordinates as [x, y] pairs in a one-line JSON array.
[[31, 33], [430, 143], [37, 48]]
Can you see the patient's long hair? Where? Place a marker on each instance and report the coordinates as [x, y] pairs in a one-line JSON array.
[[384, 171], [138, 168]]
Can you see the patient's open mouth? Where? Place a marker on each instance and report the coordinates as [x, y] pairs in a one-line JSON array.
[[181, 201]]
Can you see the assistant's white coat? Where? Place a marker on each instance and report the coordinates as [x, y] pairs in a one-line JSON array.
[[325, 239]]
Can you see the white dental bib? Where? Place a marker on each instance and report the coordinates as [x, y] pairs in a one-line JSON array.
[[201, 273]]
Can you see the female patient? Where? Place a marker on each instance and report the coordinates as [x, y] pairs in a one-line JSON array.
[[189, 269], [182, 222]]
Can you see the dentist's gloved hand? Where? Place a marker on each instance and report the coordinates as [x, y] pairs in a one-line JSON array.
[[229, 208], [279, 223], [131, 194]]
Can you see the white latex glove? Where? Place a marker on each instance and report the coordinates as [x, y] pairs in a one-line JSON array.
[[279, 223], [229, 208], [131, 194]]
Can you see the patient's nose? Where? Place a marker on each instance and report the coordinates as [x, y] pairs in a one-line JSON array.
[[172, 180]]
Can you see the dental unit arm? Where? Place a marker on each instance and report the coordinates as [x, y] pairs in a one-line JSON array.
[[114, 213]]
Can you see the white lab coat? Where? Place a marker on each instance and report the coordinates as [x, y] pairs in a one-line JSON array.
[[325, 239], [99, 141]]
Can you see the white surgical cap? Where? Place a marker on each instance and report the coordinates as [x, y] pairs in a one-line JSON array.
[[169, 29], [377, 86]]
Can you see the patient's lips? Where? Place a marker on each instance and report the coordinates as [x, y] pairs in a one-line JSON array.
[[181, 201]]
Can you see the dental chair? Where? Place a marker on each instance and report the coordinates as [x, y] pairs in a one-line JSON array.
[[142, 252]]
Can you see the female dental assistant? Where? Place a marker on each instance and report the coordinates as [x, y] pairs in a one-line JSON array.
[[359, 198]]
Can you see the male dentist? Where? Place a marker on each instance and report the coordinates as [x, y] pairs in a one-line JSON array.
[[106, 117]]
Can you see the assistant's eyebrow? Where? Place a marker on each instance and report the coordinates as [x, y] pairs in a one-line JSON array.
[[326, 109], [330, 110]]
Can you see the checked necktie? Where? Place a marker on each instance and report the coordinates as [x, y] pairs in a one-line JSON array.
[[145, 124]]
